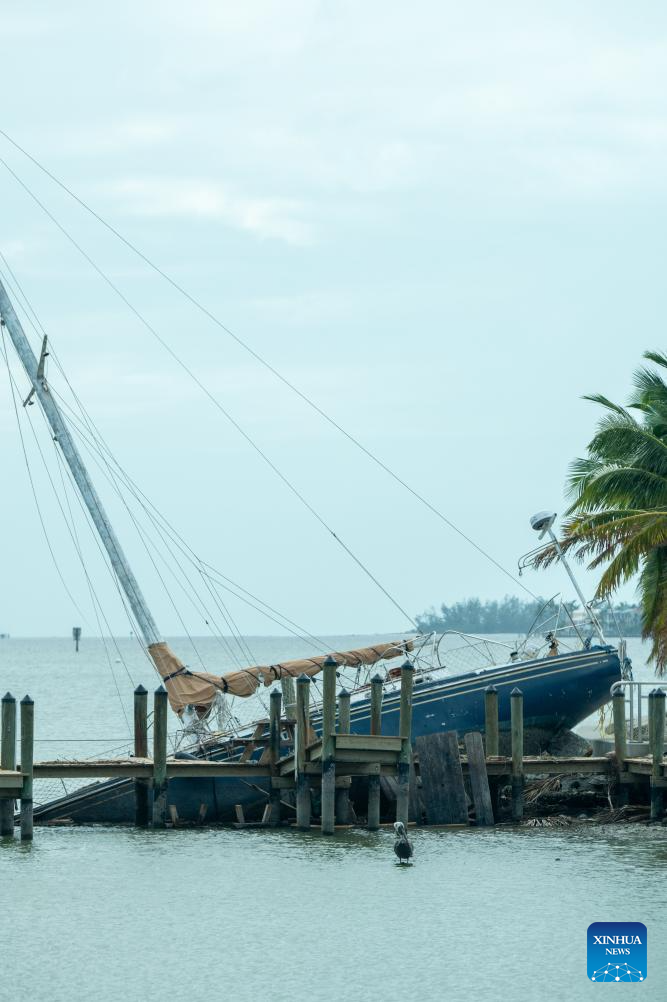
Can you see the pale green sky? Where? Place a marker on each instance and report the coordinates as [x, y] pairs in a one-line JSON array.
[[445, 222]]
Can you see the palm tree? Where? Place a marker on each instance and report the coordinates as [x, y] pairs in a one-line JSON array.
[[618, 517]]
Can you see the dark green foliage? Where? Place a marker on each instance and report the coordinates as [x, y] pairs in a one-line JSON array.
[[512, 615], [509, 615], [617, 522]]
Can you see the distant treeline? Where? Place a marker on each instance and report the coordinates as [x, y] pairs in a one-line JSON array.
[[513, 615]]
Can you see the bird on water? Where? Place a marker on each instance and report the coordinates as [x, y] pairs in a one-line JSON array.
[[402, 846]]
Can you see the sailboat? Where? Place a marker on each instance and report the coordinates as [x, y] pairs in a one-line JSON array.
[[561, 686]]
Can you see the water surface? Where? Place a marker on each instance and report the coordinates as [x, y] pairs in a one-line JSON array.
[[114, 914]]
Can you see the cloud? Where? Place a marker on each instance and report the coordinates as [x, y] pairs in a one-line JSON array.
[[115, 137], [268, 218]]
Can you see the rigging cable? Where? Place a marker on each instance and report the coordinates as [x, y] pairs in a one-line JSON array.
[[98, 446], [111, 477], [168, 532], [258, 357], [95, 607], [205, 569], [32, 485], [214, 400], [72, 528]]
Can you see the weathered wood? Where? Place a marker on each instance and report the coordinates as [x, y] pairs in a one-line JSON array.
[[369, 755], [491, 741], [7, 759], [289, 695], [443, 791], [160, 782], [415, 807], [373, 808], [142, 788], [344, 714], [405, 732], [368, 742], [376, 704], [374, 782], [27, 752], [657, 712], [546, 765], [256, 739], [516, 724], [620, 743], [275, 701], [302, 726], [342, 793], [620, 735], [479, 781], [12, 782], [328, 792], [240, 816]]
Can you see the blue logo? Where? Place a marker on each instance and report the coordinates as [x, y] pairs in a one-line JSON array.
[[617, 952]]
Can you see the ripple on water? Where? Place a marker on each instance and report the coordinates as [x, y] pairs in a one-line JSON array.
[[120, 913]]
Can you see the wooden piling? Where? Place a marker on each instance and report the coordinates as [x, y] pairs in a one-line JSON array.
[[328, 811], [302, 730], [342, 792], [620, 744], [516, 715], [275, 706], [656, 709], [415, 805], [160, 757], [8, 759], [405, 754], [27, 755], [289, 696], [376, 704], [374, 783], [141, 786], [491, 742]]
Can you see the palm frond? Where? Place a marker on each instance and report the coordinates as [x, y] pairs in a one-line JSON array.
[[658, 357], [599, 398]]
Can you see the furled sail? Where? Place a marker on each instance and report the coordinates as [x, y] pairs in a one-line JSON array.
[[199, 688]]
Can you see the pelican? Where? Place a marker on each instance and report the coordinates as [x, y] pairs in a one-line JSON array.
[[402, 846]]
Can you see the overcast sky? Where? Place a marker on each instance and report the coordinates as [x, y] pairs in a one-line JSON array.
[[444, 222]]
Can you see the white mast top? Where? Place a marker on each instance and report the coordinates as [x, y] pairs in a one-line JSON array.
[[81, 476]]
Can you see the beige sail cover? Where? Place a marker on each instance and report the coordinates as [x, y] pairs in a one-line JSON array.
[[348, 659], [198, 688]]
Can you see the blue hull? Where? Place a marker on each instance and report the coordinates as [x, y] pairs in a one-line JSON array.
[[559, 692]]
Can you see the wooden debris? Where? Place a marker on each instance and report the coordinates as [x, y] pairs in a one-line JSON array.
[[443, 791], [479, 781]]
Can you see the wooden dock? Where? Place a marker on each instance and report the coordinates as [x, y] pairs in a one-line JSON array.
[[430, 781]]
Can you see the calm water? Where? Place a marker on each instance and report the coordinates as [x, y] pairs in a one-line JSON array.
[[117, 914]]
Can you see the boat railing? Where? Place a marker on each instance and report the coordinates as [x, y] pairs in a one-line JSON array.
[[636, 710]]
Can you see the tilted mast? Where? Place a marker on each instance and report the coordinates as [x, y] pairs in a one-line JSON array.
[[194, 689], [62, 436]]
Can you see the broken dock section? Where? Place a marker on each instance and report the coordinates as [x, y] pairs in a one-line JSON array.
[[339, 776]]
